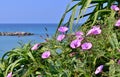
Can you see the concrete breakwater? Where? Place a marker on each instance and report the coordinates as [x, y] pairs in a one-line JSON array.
[[15, 34]]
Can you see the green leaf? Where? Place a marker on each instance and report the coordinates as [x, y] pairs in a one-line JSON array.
[[62, 19], [85, 5], [31, 56], [111, 70], [78, 4], [114, 41], [72, 18], [12, 65], [97, 13]]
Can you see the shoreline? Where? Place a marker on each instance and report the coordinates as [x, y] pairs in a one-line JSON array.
[[15, 33]]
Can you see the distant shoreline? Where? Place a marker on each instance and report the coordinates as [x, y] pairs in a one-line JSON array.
[[15, 34]]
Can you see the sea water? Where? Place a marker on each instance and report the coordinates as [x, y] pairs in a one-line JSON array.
[[9, 42]]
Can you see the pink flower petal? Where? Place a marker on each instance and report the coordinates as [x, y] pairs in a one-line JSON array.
[[99, 69], [75, 43], [118, 61], [86, 46], [114, 7], [79, 33], [80, 38], [117, 23], [10, 74], [60, 37], [46, 54], [35, 47], [89, 32], [63, 29], [94, 31]]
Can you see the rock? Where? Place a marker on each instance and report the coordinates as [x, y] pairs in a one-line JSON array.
[[15, 34]]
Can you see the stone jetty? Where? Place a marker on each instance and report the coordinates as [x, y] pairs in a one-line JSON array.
[[15, 34]]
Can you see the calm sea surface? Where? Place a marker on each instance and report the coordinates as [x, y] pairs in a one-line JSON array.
[[9, 42]]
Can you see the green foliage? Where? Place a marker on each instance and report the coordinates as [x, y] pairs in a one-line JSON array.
[[65, 61]]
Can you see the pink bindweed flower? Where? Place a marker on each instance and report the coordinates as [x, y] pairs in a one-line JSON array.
[[9, 74], [75, 43], [99, 69], [86, 46], [117, 23], [46, 54], [39, 76], [118, 61], [79, 33], [62, 29], [80, 38], [115, 8], [35, 47], [95, 30], [60, 37]]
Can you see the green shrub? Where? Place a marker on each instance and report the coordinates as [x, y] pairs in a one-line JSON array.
[[91, 50]]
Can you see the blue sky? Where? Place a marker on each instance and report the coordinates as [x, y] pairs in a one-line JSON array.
[[32, 11]]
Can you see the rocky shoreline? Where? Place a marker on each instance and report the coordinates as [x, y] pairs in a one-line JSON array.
[[15, 34]]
